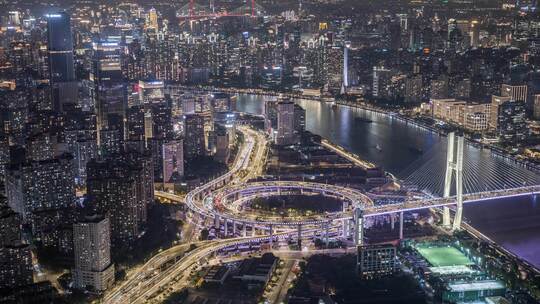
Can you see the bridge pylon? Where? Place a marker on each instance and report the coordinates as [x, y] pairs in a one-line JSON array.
[[454, 164]]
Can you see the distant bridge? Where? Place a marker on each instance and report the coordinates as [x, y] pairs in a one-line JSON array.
[[193, 10]]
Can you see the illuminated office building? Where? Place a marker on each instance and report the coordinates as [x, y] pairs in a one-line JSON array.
[[61, 68], [109, 90]]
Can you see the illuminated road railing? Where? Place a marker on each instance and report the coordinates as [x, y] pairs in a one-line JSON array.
[[227, 198], [193, 199], [240, 162], [440, 202]]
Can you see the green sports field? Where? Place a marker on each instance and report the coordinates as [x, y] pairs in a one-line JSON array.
[[443, 256]]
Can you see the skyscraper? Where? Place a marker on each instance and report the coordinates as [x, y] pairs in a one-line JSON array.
[[381, 79], [92, 244], [15, 257], [61, 68], [15, 265], [285, 123], [173, 160], [346, 66], [299, 120], [152, 21], [41, 185], [121, 187], [222, 151], [194, 144], [109, 90], [496, 102], [512, 126]]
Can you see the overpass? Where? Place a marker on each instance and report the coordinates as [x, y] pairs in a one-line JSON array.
[[222, 205], [232, 188]]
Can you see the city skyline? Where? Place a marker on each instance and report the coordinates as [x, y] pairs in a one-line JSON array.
[[270, 151]]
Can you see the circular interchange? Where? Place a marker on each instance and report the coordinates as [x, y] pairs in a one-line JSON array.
[[226, 202]]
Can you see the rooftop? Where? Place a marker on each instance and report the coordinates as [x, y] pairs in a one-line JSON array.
[[476, 285], [450, 270]]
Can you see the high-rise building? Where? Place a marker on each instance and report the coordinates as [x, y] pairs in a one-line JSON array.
[[14, 18], [413, 89], [41, 185], [15, 257], [473, 117], [152, 21], [16, 267], [222, 102], [333, 65], [41, 146], [475, 34], [270, 114], [10, 225], [512, 126], [54, 229], [92, 246], [121, 187], [439, 88], [161, 117], [515, 92], [173, 161], [111, 141], [536, 106], [285, 123], [194, 142], [496, 102], [375, 261], [135, 123], [381, 79], [221, 143], [299, 120], [61, 67], [109, 90], [345, 66], [4, 155]]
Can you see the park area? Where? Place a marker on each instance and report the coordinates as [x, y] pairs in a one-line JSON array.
[[444, 255]]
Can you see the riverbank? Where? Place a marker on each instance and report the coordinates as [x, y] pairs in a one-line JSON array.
[[493, 149]]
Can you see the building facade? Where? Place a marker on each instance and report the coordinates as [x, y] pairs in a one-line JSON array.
[[375, 261], [92, 243]]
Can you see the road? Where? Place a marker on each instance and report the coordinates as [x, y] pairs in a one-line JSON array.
[[347, 155], [279, 292], [147, 279], [137, 276]]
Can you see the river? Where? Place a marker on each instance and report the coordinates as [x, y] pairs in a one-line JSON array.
[[417, 156]]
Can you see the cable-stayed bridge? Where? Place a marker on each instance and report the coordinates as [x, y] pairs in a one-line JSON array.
[[483, 171], [208, 202]]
